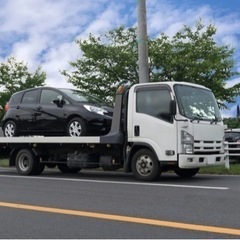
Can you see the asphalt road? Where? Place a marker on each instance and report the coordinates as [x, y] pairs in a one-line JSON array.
[[94, 204]]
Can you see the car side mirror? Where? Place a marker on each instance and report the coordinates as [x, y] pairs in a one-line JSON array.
[[59, 102]]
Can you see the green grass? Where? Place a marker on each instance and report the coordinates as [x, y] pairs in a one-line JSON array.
[[234, 170], [4, 162]]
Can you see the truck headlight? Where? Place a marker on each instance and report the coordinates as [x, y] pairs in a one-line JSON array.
[[95, 109], [187, 142]]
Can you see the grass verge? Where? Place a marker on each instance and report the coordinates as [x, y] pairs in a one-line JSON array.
[[4, 162], [234, 170]]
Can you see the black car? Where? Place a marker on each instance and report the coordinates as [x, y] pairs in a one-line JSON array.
[[49, 111], [233, 137]]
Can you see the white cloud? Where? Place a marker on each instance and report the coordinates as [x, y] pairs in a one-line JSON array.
[[232, 82], [43, 32]]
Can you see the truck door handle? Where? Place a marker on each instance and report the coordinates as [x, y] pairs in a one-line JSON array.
[[136, 131]]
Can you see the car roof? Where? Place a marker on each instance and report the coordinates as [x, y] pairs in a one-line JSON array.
[[43, 87]]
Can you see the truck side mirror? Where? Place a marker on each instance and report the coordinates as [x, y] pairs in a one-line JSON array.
[[173, 108]]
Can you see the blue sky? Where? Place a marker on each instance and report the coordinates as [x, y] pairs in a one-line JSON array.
[[43, 32]]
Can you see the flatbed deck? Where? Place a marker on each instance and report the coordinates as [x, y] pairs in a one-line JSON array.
[[56, 140]]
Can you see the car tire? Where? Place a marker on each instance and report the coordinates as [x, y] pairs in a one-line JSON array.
[[76, 127], [10, 129]]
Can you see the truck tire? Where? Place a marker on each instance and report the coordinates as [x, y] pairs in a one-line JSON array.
[[145, 165], [65, 169], [186, 173], [27, 163], [76, 127]]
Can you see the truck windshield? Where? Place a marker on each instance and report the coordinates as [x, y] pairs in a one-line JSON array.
[[197, 103]]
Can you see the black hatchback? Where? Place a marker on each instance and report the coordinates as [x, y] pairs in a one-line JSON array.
[[49, 111]]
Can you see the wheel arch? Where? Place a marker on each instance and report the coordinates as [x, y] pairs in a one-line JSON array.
[[14, 153], [75, 115], [136, 147]]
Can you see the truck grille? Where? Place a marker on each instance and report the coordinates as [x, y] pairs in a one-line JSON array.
[[207, 147]]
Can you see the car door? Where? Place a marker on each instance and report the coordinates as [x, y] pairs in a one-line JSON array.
[[50, 114], [25, 111]]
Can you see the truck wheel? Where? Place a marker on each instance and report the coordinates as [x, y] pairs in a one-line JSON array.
[[186, 173], [10, 129], [145, 166], [76, 127], [65, 169], [26, 162]]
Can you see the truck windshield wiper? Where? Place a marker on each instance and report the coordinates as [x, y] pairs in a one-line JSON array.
[[196, 118], [215, 119]]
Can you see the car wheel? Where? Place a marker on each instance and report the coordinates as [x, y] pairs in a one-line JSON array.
[[10, 129], [145, 166], [76, 127]]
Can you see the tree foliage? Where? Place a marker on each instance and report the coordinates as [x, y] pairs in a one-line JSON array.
[[107, 62], [191, 55], [14, 76], [232, 122]]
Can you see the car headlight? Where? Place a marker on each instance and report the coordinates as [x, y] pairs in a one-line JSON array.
[[95, 109], [187, 142]]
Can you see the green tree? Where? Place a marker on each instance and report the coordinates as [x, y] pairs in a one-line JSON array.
[[107, 62], [14, 76], [191, 55], [232, 122]]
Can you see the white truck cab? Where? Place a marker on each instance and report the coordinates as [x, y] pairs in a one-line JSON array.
[[180, 122]]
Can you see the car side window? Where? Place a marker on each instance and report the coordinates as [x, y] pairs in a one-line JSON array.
[[30, 97], [154, 102], [47, 96]]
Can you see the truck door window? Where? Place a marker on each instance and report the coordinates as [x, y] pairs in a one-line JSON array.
[[154, 102]]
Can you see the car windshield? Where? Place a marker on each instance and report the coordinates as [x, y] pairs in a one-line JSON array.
[[81, 97], [197, 103], [232, 135]]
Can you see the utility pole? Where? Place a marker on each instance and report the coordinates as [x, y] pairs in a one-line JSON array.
[[142, 43]]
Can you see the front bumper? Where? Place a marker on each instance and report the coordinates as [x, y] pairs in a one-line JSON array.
[[197, 161]]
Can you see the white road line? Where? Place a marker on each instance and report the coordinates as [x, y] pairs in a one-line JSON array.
[[117, 182]]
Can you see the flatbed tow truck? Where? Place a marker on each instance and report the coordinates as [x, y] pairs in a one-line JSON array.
[[156, 127]]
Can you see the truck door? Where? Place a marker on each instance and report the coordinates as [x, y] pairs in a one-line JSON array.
[[150, 122]]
